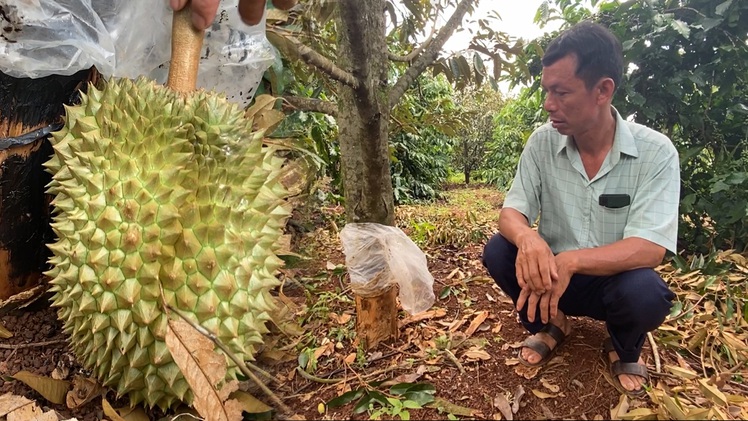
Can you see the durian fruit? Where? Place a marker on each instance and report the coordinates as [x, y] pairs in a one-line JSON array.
[[160, 198]]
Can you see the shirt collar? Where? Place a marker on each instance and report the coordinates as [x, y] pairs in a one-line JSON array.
[[623, 140]]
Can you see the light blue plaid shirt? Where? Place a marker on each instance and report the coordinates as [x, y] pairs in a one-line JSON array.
[[551, 181]]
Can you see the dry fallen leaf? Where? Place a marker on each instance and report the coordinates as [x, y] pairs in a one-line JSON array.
[[548, 385], [10, 403], [84, 391], [619, 410], [5, 333], [543, 395], [502, 404], [476, 353], [527, 372], [350, 358], [51, 389], [203, 369], [518, 394], [477, 321], [425, 315]]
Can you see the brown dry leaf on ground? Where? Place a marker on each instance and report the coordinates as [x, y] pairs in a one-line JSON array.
[[203, 369], [19, 408]]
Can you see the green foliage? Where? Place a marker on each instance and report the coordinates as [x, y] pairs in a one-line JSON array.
[[687, 77], [402, 397], [421, 142], [513, 125]]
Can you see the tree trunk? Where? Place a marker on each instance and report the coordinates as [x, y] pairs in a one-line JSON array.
[[29, 110], [363, 115]]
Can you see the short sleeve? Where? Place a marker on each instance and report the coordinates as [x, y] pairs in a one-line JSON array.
[[654, 210], [524, 194]]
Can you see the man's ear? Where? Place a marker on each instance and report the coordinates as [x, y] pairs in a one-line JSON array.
[[605, 89]]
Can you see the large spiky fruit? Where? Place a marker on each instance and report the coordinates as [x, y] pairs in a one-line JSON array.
[[161, 198]]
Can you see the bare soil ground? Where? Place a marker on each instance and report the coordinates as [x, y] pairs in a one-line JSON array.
[[465, 346]]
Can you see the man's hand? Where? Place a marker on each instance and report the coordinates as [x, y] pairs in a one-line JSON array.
[[548, 300], [204, 11], [535, 265]]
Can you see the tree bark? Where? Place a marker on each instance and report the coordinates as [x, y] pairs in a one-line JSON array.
[[29, 110], [363, 113], [363, 117]]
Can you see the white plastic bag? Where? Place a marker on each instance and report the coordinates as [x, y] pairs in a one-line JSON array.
[[127, 38], [378, 256]]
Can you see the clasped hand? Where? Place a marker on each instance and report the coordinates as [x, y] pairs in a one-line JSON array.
[[542, 276]]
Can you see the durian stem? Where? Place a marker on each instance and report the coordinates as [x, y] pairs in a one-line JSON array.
[[186, 45]]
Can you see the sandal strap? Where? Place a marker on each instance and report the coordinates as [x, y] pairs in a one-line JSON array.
[[554, 332], [635, 369], [538, 346]]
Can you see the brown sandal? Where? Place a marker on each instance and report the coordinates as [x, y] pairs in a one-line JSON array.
[[618, 367], [537, 345]]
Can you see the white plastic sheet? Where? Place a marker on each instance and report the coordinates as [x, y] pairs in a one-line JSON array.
[[127, 38], [378, 256]]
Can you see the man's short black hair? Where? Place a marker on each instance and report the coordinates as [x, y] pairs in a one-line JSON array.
[[598, 51]]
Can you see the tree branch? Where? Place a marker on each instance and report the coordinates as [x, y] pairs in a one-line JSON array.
[[430, 54], [311, 104], [317, 60], [413, 54]]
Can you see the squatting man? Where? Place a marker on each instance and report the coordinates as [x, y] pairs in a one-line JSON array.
[[606, 193]]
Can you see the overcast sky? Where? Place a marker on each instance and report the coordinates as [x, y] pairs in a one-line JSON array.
[[516, 19]]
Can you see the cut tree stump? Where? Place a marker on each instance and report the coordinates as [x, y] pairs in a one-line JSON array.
[[29, 109], [376, 318]]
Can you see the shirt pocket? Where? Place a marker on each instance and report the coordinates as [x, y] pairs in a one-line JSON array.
[[610, 223]]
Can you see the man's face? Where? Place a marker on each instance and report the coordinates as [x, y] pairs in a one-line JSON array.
[[572, 107]]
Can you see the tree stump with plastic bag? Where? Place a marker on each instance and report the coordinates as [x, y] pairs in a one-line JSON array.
[[384, 265], [29, 110]]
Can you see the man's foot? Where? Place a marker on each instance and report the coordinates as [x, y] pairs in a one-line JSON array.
[[538, 349], [630, 376]]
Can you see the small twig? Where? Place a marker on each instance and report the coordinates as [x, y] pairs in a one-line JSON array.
[[243, 367], [33, 344], [454, 359], [314, 378], [658, 365]]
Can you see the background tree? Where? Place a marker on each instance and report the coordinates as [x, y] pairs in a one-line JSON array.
[[345, 44], [512, 127], [480, 106]]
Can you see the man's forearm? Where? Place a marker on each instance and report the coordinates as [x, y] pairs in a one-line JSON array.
[[513, 224], [621, 256]]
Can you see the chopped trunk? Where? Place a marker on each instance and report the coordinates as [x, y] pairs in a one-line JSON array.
[[29, 109], [363, 114]]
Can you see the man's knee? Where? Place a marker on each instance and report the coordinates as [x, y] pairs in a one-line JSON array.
[[640, 297], [499, 254]]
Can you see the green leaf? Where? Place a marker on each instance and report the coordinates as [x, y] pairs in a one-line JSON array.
[[628, 44], [681, 27], [709, 23], [421, 397], [402, 388], [346, 398], [722, 8], [411, 404]]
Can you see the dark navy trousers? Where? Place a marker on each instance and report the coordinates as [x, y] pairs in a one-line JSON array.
[[631, 303]]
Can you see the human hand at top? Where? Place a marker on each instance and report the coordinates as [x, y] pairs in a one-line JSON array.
[[204, 11]]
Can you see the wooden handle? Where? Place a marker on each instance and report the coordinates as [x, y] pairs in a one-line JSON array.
[[186, 45]]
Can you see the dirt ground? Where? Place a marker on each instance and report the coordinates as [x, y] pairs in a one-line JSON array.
[[471, 364]]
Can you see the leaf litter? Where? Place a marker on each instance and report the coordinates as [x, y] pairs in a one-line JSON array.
[[702, 345]]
